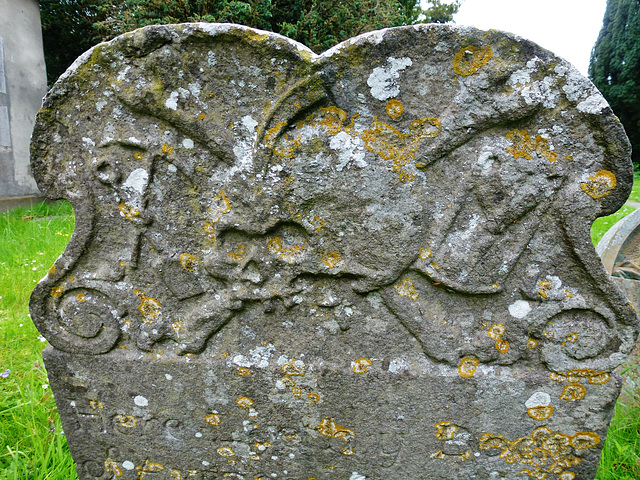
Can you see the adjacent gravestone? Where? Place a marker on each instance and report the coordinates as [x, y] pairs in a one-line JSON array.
[[23, 83], [374, 263]]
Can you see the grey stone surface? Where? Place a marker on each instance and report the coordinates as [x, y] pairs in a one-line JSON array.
[[373, 263], [23, 83]]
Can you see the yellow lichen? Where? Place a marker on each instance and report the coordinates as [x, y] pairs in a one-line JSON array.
[[394, 108], [546, 451], [464, 456], [573, 392], [56, 292], [470, 59], [532, 343], [468, 366], [176, 326], [496, 331], [572, 337], [313, 397], [288, 381], [583, 440], [439, 455], [245, 402], [445, 430], [361, 365], [574, 376], [213, 419], [600, 184], [149, 307], [317, 222], [210, 230], [110, 466], [424, 253], [294, 368], [289, 255], [167, 149], [502, 346], [406, 289], [329, 428], [224, 207], [523, 146], [129, 212], [226, 452], [188, 262], [127, 421], [331, 259], [237, 254], [154, 467], [296, 391], [541, 412], [544, 287], [96, 404], [81, 297], [137, 155], [243, 372], [391, 144]]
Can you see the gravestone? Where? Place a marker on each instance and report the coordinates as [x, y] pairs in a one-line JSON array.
[[373, 263], [23, 83]]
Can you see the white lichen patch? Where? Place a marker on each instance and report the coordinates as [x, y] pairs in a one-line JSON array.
[[399, 365], [538, 399], [100, 104], [519, 309], [258, 357], [250, 125], [140, 401], [349, 150], [211, 58], [534, 92], [136, 182], [594, 104], [128, 465], [188, 143], [172, 101], [382, 80], [357, 476]]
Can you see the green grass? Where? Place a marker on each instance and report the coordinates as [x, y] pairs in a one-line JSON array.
[[31, 438], [33, 444], [602, 224]]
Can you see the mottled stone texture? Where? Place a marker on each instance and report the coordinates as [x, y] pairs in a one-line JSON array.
[[372, 263]]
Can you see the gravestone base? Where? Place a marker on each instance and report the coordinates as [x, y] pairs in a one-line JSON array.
[[255, 405]]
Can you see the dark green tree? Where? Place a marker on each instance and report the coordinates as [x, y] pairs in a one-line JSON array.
[[72, 26], [615, 65], [67, 31]]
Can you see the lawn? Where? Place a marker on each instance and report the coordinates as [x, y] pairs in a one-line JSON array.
[[32, 441]]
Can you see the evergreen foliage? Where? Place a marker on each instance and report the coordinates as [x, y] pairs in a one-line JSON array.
[[615, 65], [70, 27]]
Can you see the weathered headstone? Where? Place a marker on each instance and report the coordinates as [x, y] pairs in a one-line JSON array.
[[372, 263], [23, 83]]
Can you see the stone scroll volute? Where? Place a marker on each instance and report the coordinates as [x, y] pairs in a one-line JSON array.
[[372, 263]]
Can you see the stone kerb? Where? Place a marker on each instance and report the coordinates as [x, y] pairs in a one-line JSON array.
[[373, 263]]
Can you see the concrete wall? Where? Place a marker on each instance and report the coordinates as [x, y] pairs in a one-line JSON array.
[[23, 83]]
